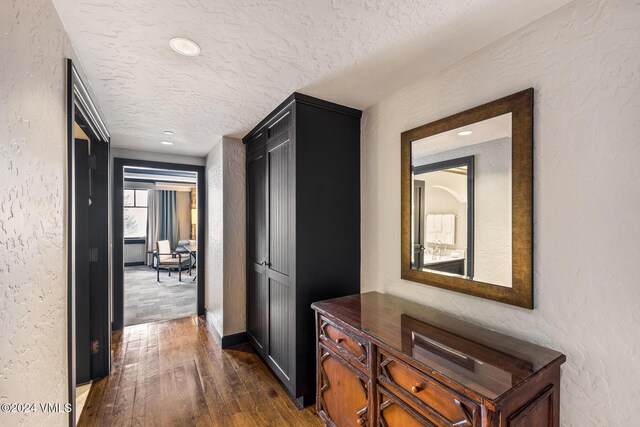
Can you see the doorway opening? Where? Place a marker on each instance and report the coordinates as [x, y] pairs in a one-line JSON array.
[[160, 256], [88, 255], [158, 241]]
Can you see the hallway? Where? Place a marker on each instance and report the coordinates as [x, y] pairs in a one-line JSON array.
[[174, 373]]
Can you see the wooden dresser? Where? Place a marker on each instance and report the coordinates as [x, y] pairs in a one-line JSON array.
[[385, 361]]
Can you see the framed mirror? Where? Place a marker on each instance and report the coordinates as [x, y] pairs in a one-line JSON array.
[[467, 201]]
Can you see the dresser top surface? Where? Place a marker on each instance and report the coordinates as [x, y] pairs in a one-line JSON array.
[[478, 359]]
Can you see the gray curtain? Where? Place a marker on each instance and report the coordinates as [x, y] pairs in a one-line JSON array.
[[152, 220], [168, 225]]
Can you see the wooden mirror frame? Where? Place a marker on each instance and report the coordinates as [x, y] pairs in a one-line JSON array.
[[521, 291]]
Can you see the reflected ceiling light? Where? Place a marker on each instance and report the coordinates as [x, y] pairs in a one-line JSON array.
[[184, 46], [465, 133], [166, 142], [168, 132]]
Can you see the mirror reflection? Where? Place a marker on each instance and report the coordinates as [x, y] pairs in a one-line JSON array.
[[461, 202]]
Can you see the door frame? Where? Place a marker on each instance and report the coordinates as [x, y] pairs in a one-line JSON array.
[[118, 231], [79, 103]]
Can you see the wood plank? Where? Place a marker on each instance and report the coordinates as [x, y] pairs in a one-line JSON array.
[[175, 373]]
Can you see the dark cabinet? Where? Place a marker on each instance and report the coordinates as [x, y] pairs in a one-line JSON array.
[[303, 229]]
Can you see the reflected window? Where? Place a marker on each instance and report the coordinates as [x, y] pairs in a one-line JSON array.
[[135, 214]]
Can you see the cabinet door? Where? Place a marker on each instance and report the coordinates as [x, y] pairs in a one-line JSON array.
[[280, 186], [257, 248], [395, 413], [343, 392], [280, 255]]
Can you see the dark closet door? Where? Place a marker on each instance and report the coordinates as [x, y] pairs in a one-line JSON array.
[[280, 169], [257, 248], [82, 280], [99, 256]]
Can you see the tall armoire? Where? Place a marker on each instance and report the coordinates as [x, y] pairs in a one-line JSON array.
[[303, 229]]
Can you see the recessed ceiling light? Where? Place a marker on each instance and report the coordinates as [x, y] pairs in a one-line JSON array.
[[465, 133], [184, 46], [166, 142], [168, 132]]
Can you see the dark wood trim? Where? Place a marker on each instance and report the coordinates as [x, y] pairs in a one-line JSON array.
[[71, 299], [118, 231], [133, 264], [226, 341], [302, 99], [521, 293], [134, 241], [234, 339], [81, 109]]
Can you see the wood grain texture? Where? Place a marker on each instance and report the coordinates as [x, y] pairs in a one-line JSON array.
[[521, 293], [174, 373], [427, 368], [337, 380]]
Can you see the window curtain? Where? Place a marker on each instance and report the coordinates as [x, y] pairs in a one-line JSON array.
[[153, 220], [168, 217]]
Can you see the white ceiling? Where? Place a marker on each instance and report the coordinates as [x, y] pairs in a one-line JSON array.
[[256, 52], [487, 130]]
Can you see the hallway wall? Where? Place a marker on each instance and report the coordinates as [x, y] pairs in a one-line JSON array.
[[183, 201], [225, 296], [33, 221], [584, 65]]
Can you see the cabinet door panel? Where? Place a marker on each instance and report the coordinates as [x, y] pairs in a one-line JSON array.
[[279, 212], [258, 298], [257, 292], [280, 326], [257, 233], [343, 396]]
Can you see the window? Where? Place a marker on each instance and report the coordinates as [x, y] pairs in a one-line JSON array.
[[135, 214]]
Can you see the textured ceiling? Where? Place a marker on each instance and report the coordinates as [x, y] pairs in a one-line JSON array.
[[255, 53]]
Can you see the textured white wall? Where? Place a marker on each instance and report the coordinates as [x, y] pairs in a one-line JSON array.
[[584, 64], [225, 229], [183, 202], [33, 244], [234, 236], [214, 231]]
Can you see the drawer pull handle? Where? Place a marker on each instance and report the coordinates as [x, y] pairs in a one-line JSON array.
[[361, 421], [339, 340], [416, 389]]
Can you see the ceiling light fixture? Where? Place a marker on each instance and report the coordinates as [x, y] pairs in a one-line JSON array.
[[184, 46], [166, 142], [465, 133], [168, 132]]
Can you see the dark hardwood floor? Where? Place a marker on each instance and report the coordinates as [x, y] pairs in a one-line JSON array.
[[173, 373]]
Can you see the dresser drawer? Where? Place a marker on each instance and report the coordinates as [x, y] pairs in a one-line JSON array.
[[353, 348], [437, 402]]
